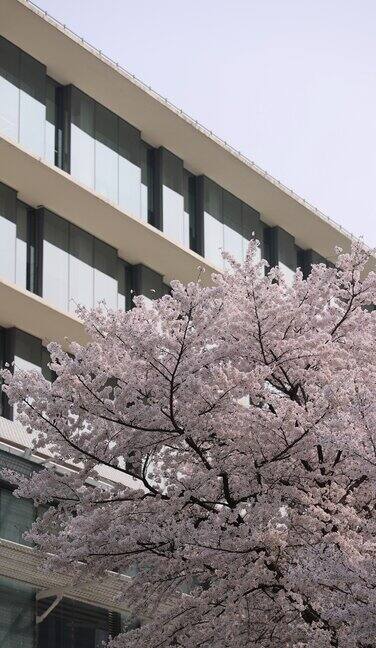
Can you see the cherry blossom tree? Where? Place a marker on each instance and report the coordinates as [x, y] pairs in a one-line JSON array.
[[240, 420]]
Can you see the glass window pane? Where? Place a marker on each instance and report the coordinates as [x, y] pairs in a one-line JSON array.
[[49, 143], [232, 217], [32, 104], [285, 248], [129, 143], [17, 463], [174, 223], [251, 228], [122, 287], [147, 183], [17, 614], [21, 245], [27, 351], [82, 138], [129, 169], [287, 273], [190, 225], [213, 223], [144, 182], [213, 233], [172, 196], [106, 153], [147, 282], [105, 274], [81, 270], [8, 233], [73, 624], [47, 373], [172, 171], [9, 89], [56, 260], [16, 516]]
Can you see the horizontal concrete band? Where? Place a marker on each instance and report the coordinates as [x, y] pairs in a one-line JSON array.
[[40, 184], [21, 563]]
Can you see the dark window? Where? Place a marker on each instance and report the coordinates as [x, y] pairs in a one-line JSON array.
[[282, 248], [17, 614], [75, 625], [9, 89], [129, 142], [150, 157], [190, 206], [172, 173], [16, 514], [307, 258], [51, 141], [32, 77], [125, 285], [147, 282], [34, 252], [9, 62]]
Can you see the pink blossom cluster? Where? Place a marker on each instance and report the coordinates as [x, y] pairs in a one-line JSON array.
[[240, 420]]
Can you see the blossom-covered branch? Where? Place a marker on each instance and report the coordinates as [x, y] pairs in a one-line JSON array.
[[240, 420]]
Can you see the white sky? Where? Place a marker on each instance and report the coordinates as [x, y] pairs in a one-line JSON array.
[[291, 83]]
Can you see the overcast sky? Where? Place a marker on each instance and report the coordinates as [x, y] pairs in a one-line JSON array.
[[291, 83]]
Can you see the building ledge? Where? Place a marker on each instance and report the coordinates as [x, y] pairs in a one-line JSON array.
[[23, 563], [41, 184], [32, 314]]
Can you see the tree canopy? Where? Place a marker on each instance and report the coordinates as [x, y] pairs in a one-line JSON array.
[[240, 420]]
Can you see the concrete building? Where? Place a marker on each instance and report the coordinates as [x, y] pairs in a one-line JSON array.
[[106, 190]]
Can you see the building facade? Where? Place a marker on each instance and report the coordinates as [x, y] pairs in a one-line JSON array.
[[106, 191]]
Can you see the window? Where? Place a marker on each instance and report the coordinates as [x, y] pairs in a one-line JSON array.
[[8, 230], [76, 625], [9, 89], [190, 209], [17, 614], [283, 251], [105, 274], [125, 285], [213, 223], [82, 142], [16, 516], [13, 237], [51, 121], [77, 267], [147, 282], [70, 624], [25, 351], [228, 223], [21, 244], [34, 268], [106, 153], [129, 169], [81, 274], [147, 184], [175, 224], [56, 260], [307, 258], [232, 222], [32, 104], [251, 228]]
